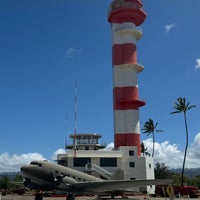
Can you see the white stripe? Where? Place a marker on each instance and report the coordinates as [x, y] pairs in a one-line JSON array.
[[125, 75], [125, 33], [126, 121]]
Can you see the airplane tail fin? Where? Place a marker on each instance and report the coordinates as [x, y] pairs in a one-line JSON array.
[[118, 174]]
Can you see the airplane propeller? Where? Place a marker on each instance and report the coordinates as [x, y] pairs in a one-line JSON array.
[[58, 179]]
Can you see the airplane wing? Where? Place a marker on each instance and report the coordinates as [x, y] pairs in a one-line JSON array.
[[116, 185]]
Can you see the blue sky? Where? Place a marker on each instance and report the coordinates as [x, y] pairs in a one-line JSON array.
[[46, 45]]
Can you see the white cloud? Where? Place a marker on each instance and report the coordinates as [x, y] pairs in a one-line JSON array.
[[58, 151], [197, 66], [168, 27], [167, 153], [173, 157], [71, 52], [12, 163], [194, 153], [109, 147]]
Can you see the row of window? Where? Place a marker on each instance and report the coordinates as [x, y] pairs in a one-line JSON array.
[[104, 162]]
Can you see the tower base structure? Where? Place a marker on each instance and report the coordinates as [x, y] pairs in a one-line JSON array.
[[103, 163]]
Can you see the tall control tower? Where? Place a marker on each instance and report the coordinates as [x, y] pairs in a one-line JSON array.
[[125, 16]]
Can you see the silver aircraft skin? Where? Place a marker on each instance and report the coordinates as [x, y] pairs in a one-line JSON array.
[[45, 175]]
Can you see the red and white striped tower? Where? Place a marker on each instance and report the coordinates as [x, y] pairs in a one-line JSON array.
[[125, 16]]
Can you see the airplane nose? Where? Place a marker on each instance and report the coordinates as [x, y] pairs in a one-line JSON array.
[[25, 169]]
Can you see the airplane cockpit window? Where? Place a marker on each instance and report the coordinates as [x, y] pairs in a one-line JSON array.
[[36, 163]]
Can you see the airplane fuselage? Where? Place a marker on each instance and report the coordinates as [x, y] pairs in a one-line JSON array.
[[49, 175]]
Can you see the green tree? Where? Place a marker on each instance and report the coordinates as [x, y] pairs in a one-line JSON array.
[[182, 106], [161, 171], [150, 128], [197, 181], [18, 178], [175, 177], [4, 182]]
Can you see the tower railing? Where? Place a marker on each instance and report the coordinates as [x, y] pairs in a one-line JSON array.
[[120, 3]]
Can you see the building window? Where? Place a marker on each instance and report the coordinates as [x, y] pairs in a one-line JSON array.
[[131, 153], [81, 162], [132, 164], [63, 162], [149, 166], [108, 162]]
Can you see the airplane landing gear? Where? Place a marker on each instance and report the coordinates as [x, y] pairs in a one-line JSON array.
[[39, 196], [70, 196]]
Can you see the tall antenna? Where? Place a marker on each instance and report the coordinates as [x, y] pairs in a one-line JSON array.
[[66, 128], [75, 119]]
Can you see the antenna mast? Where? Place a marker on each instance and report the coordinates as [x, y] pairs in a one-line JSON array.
[[66, 118], [75, 119]]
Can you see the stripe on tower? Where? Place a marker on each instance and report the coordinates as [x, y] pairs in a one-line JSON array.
[[124, 54], [125, 85]]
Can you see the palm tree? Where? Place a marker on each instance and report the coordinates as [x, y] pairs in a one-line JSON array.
[[150, 128], [182, 106]]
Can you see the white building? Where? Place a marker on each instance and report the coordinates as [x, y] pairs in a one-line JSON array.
[[87, 155]]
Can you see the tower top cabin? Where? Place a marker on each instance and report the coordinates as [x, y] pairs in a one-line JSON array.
[[121, 11]]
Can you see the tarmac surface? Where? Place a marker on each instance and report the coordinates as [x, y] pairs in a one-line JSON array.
[[141, 197]]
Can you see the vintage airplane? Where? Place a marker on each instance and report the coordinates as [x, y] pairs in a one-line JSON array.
[[44, 175]]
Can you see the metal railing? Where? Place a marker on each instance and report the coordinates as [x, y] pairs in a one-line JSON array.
[[120, 3]]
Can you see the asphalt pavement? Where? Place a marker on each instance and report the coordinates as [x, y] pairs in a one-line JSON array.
[[141, 197]]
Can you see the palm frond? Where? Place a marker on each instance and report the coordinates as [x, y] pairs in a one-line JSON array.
[[149, 127], [178, 111], [189, 107], [181, 106]]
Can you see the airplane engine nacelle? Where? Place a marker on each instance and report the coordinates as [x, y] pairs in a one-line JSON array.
[[68, 180]]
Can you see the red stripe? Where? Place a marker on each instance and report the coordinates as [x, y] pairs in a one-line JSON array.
[[128, 139], [125, 14], [126, 98], [124, 54]]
